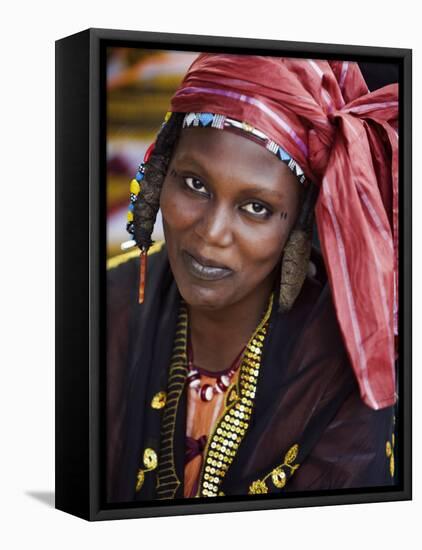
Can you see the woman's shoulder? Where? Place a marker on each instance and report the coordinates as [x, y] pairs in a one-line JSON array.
[[311, 327]]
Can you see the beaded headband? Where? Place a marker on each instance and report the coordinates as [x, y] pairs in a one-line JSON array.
[[214, 120]]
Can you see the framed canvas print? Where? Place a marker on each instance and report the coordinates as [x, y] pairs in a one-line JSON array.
[[233, 231]]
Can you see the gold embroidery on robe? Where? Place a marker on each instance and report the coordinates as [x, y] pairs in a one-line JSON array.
[[278, 475], [389, 451], [159, 400], [150, 462]]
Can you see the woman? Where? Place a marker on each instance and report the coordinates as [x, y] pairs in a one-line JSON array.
[[246, 362]]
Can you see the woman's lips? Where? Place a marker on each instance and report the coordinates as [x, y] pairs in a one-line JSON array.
[[205, 272]]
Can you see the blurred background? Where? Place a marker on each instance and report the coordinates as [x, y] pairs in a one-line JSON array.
[[140, 84]]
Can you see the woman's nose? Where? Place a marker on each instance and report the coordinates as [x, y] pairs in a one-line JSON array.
[[216, 226]]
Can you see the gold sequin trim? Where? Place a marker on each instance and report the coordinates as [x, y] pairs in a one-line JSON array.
[[159, 400], [278, 475], [150, 462], [230, 430]]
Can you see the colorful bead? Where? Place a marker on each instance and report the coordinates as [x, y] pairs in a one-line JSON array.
[[193, 373], [195, 384], [218, 388], [134, 187], [206, 392], [223, 383], [206, 118], [225, 380], [193, 378], [149, 152]]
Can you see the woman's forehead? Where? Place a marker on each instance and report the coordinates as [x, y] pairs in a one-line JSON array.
[[216, 152]]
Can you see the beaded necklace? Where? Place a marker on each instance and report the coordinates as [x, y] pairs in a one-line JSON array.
[[207, 391]]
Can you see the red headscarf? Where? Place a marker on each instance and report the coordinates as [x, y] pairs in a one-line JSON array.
[[345, 140]]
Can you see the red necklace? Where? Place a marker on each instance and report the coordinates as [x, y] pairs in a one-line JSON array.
[[207, 391]]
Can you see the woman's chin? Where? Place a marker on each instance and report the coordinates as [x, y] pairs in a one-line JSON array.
[[204, 297]]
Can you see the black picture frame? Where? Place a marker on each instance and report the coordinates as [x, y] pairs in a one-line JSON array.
[[80, 270]]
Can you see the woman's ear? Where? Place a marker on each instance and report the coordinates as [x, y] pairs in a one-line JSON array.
[[297, 251], [294, 267]]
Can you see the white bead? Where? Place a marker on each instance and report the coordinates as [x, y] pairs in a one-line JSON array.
[[225, 380], [128, 244], [209, 393]]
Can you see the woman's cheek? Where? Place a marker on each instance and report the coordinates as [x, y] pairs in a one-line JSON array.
[[169, 198], [267, 245], [173, 208]]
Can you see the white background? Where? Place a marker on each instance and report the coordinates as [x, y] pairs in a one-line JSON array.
[[28, 32]]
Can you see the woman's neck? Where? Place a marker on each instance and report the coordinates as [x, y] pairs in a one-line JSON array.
[[218, 336]]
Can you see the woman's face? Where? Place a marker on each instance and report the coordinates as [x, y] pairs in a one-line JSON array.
[[228, 206]]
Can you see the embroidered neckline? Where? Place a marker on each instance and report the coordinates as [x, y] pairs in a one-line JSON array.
[[224, 441], [229, 431]]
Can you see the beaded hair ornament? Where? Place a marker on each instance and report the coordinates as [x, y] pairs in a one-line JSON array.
[[204, 120]]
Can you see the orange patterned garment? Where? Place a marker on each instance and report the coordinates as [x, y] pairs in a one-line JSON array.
[[201, 419]]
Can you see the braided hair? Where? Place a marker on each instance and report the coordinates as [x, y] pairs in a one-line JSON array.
[[298, 247], [148, 203]]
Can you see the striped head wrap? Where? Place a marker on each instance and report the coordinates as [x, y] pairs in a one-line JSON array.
[[320, 117]]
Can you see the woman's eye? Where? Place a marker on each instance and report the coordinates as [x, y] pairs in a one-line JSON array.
[[257, 209], [195, 184]]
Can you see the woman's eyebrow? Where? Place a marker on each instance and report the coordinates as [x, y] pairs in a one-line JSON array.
[[189, 159], [246, 190], [262, 191]]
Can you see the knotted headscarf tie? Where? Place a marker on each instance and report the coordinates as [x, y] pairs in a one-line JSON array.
[[345, 140]]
